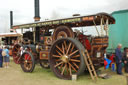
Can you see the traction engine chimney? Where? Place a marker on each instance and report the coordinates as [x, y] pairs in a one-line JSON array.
[[37, 11]]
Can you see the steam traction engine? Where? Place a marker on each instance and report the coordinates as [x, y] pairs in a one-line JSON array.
[[54, 43]]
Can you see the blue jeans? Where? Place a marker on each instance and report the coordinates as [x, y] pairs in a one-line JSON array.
[[119, 68], [1, 61]]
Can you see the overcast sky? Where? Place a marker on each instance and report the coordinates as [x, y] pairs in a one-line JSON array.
[[23, 10]]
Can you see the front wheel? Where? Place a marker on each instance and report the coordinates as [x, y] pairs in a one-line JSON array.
[[27, 62], [44, 64]]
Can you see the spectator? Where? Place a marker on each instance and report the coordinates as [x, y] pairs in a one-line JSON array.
[[106, 61], [1, 58], [112, 59], [118, 59], [6, 57], [125, 58]]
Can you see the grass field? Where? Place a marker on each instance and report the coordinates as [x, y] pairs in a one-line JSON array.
[[15, 76]]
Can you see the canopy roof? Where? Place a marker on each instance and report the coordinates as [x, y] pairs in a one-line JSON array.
[[10, 34], [72, 22]]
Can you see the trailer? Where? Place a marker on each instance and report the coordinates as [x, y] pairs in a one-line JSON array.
[[9, 39], [55, 43]]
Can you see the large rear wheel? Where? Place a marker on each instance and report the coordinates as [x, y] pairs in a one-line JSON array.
[[66, 59]]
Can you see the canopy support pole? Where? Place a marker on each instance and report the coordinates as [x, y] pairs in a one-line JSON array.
[[101, 24], [34, 38], [96, 28]]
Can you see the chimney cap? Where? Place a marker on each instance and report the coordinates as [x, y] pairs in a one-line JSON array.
[[74, 15]]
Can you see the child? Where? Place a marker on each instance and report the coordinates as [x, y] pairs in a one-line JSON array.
[[6, 58]]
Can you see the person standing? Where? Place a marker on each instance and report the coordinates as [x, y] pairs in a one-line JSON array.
[[1, 58], [126, 60], [6, 58], [118, 59]]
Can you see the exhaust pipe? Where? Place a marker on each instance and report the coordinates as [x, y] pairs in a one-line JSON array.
[[11, 20], [37, 11]]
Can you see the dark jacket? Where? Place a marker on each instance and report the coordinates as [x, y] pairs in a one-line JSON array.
[[125, 58], [118, 55], [1, 53]]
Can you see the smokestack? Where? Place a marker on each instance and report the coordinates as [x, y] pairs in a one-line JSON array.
[[11, 20], [37, 11]]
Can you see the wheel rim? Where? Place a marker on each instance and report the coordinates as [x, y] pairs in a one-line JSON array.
[[27, 62], [65, 59], [62, 31], [44, 64], [16, 53], [61, 34]]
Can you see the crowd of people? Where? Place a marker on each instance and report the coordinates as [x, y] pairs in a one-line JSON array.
[[117, 61], [121, 59], [4, 57]]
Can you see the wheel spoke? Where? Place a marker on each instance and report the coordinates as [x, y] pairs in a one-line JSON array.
[[76, 56], [18, 59], [59, 48], [56, 56], [30, 66], [29, 61], [73, 53], [57, 60], [74, 60], [28, 57], [15, 57], [63, 70], [59, 53], [70, 70], [65, 45], [76, 65], [72, 67], [63, 49], [68, 48], [67, 68], [58, 64], [61, 66], [27, 66], [72, 48], [24, 62]]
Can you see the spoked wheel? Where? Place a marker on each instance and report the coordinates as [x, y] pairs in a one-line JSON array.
[[27, 62], [62, 32], [44, 64], [16, 53], [66, 58]]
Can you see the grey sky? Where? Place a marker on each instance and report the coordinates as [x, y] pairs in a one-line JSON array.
[[23, 10]]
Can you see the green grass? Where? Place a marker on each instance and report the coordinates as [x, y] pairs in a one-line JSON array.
[[15, 76]]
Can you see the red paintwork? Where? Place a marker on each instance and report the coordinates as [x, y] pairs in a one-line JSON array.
[[112, 59], [84, 40], [27, 57], [15, 59], [105, 64]]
